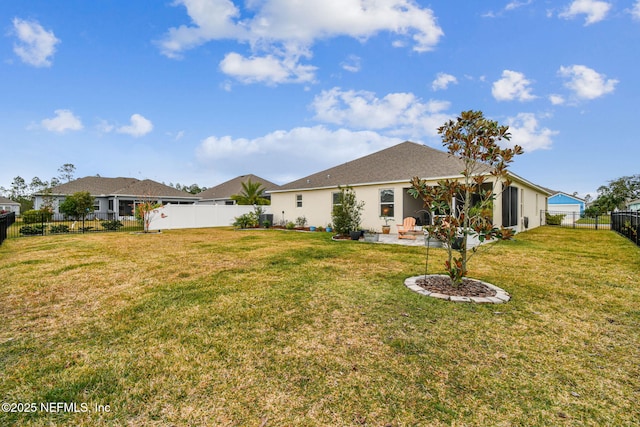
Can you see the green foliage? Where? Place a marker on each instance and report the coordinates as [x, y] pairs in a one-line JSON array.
[[290, 225], [347, 213], [32, 230], [616, 193], [554, 219], [301, 221], [78, 205], [60, 228], [474, 140], [248, 220], [36, 216], [252, 194], [112, 225]]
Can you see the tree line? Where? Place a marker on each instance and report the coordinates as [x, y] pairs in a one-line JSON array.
[[615, 195]]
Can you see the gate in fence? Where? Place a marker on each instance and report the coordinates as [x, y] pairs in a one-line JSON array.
[[627, 224], [6, 220], [575, 220]]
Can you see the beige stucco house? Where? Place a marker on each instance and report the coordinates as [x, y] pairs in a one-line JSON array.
[[382, 179]]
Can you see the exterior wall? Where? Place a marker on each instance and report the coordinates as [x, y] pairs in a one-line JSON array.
[[10, 208], [317, 205], [634, 205], [559, 202], [198, 216]]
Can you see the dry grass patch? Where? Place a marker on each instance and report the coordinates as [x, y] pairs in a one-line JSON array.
[[221, 327]]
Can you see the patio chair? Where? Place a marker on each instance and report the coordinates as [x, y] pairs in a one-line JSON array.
[[405, 231]]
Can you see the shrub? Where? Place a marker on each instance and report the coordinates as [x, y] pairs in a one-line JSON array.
[[554, 219], [112, 225], [32, 230], [59, 228], [347, 213], [301, 221], [290, 225], [36, 216], [247, 220]]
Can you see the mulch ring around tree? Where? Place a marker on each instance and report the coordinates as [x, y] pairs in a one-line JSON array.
[[468, 287], [470, 290]]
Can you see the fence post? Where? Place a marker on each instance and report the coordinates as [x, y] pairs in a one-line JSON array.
[[597, 222]]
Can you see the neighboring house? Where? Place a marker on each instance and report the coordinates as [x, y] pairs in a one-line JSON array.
[[634, 205], [565, 203], [382, 179], [221, 194], [114, 197], [9, 205]]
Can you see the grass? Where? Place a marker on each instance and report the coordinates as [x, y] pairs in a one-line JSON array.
[[602, 219], [270, 328]]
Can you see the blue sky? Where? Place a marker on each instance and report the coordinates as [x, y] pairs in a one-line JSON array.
[[201, 91]]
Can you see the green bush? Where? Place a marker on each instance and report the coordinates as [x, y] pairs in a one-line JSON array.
[[554, 219], [112, 225], [36, 216], [32, 230], [247, 220], [59, 228], [290, 225]]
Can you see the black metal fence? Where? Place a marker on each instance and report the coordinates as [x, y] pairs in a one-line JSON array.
[[627, 224], [42, 224], [575, 220], [6, 220]]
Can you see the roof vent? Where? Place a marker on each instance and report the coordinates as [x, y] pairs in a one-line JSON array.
[[308, 181]]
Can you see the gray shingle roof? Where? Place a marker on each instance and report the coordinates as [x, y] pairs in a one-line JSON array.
[[234, 186], [5, 201], [398, 163], [98, 186]]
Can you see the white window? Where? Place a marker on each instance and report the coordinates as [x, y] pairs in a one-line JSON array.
[[387, 202], [298, 200]]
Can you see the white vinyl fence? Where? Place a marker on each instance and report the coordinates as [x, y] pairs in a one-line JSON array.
[[198, 216]]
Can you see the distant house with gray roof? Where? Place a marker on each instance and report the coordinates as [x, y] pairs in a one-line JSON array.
[[9, 205], [114, 197], [221, 194], [381, 180]]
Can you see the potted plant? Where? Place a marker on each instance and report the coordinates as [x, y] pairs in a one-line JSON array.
[[329, 228], [386, 228], [371, 235]]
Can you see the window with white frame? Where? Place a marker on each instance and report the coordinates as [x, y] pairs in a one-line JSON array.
[[298, 200]]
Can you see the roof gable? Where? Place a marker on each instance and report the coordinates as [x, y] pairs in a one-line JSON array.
[[234, 186], [564, 198], [100, 186], [5, 201], [398, 163]]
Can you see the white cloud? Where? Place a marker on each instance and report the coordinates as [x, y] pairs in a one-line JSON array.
[[267, 69], [398, 113], [517, 4], [351, 64], [35, 45], [635, 12], [62, 122], [526, 132], [284, 30], [595, 10], [303, 150], [139, 126], [556, 99], [512, 85], [587, 83], [442, 81]]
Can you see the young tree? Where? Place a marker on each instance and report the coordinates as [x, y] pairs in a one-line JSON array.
[[78, 205], [146, 210], [66, 172], [347, 212], [252, 194], [473, 139]]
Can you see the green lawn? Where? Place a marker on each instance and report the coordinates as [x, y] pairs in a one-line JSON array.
[[602, 219], [217, 327]]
